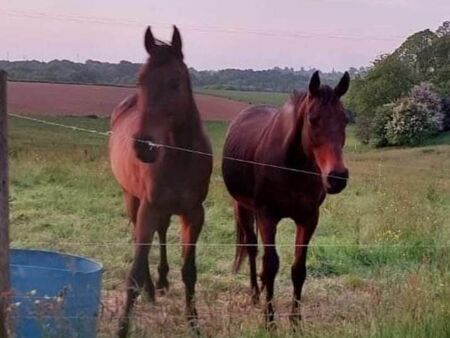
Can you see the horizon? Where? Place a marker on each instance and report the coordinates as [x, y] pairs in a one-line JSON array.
[[326, 34], [196, 69]]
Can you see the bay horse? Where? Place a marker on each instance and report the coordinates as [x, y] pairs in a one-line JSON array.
[[161, 181], [306, 136]]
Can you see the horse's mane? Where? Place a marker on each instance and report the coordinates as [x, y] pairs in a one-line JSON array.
[[326, 95], [161, 54], [297, 97]]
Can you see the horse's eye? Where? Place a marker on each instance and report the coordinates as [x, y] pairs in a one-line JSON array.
[[314, 120]]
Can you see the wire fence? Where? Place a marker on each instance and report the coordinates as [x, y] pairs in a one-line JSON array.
[[203, 244], [83, 19], [152, 145], [226, 245]]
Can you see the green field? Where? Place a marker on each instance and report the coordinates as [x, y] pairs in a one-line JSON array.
[[378, 266], [250, 97]]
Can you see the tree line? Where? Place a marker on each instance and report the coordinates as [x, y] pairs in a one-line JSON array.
[[125, 73]]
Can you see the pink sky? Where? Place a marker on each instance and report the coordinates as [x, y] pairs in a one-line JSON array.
[[254, 34]]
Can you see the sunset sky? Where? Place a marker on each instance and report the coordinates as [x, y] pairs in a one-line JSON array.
[[217, 34]]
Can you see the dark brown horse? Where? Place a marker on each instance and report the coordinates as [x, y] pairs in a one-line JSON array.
[[159, 181], [307, 135]]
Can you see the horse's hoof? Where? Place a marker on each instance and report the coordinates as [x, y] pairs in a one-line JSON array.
[[255, 298], [161, 292], [195, 330], [123, 330], [271, 325], [122, 334], [193, 323], [151, 297], [295, 320], [162, 286]]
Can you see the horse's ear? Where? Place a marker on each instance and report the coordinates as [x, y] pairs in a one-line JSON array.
[[343, 85], [314, 84], [149, 41], [176, 42]]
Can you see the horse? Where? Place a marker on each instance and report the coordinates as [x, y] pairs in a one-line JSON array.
[[281, 163], [157, 178]]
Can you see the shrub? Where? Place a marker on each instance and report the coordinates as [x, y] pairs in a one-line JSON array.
[[378, 126], [363, 128], [410, 124], [425, 95], [446, 113]]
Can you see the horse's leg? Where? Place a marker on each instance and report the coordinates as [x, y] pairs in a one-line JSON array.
[[245, 219], [191, 224], [267, 226], [163, 268], [139, 275], [132, 206], [298, 270]]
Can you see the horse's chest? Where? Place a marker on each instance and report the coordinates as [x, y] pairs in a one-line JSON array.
[[180, 187]]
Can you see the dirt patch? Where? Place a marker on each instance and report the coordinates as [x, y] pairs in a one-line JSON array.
[[82, 100]]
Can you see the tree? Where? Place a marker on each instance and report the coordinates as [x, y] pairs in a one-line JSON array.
[[388, 80], [444, 29], [409, 51], [434, 66]]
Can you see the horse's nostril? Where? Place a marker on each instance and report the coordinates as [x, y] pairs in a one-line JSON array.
[[337, 181], [340, 175], [144, 151]]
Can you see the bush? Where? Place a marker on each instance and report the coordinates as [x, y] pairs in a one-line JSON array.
[[446, 113], [410, 124], [378, 126], [363, 128], [425, 95]]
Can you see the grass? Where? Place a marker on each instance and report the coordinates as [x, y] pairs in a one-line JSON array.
[[378, 267], [250, 97]]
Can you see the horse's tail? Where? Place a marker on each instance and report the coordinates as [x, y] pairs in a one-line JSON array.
[[244, 218], [241, 250]]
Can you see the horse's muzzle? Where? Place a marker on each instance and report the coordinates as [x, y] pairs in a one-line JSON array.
[[145, 150], [337, 181]]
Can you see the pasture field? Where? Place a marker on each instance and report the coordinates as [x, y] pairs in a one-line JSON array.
[[378, 266], [58, 99], [250, 97]]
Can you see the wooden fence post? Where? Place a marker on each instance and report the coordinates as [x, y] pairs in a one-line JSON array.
[[4, 209]]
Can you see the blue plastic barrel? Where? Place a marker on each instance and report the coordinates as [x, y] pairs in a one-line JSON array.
[[54, 294]]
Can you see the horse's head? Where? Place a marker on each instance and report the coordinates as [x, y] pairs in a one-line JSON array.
[[165, 93], [324, 131]]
